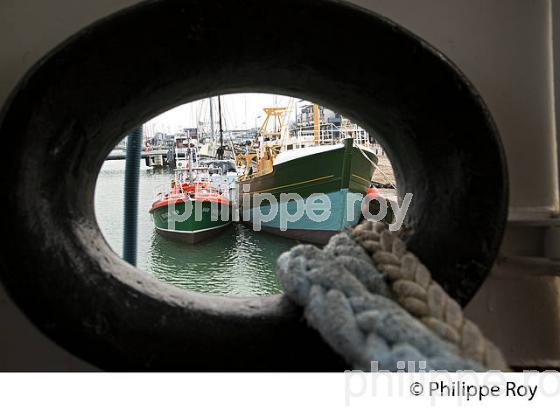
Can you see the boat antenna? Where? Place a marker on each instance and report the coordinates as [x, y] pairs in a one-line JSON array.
[[189, 163]]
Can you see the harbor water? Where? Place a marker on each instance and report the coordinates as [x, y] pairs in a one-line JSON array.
[[237, 261]]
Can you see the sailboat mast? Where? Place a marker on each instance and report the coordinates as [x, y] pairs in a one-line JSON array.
[[211, 119], [220, 115]]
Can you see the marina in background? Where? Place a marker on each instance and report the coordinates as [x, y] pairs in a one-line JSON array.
[[298, 147]]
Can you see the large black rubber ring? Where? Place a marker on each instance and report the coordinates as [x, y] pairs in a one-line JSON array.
[[75, 105]]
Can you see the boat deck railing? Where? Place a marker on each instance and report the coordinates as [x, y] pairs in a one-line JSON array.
[[331, 134]]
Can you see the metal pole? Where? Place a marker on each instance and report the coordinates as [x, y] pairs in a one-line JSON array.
[[131, 188], [316, 124]]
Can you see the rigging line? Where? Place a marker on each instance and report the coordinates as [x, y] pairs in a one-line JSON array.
[[376, 167]]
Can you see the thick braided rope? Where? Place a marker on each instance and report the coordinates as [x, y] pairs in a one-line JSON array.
[[422, 297], [351, 305]]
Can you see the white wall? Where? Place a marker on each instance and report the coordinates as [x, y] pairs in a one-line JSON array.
[[503, 46]]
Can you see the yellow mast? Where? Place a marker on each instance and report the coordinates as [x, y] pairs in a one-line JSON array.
[[316, 127], [265, 156], [278, 114]]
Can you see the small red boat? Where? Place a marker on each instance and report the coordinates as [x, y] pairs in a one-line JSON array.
[[191, 211]]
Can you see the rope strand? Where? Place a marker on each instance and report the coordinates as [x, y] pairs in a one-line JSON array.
[[422, 297]]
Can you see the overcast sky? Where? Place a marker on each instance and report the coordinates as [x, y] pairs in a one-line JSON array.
[[240, 111]]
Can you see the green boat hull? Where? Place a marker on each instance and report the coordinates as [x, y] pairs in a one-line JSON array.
[[339, 173], [192, 222]]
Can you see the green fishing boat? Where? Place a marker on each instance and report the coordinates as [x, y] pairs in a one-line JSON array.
[[339, 171]]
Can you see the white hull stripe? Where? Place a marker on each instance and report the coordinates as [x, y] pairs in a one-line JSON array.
[[193, 232]]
